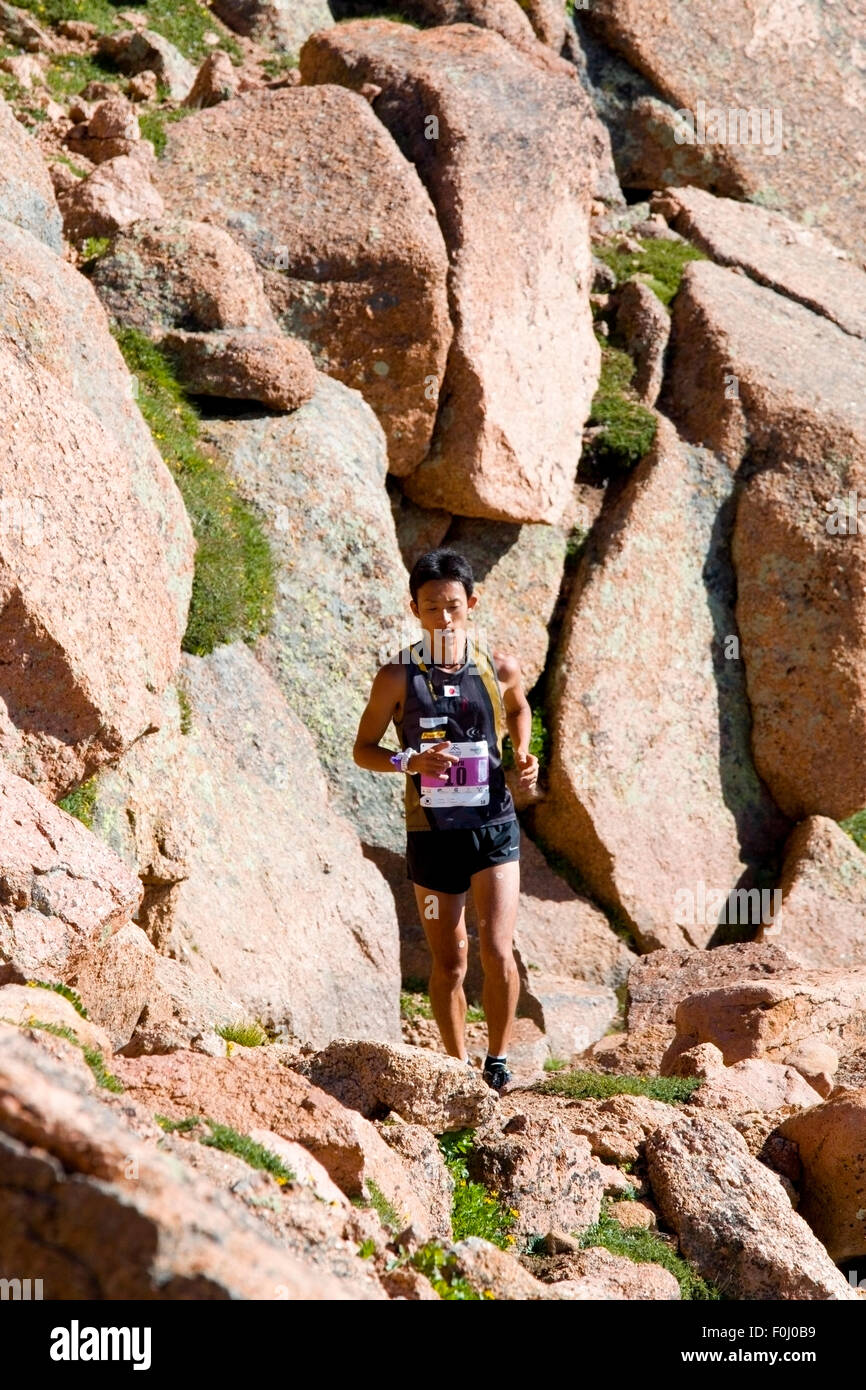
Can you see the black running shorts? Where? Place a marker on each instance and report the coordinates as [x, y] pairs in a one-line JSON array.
[[445, 860]]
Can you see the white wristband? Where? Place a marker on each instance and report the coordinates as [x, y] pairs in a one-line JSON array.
[[406, 755]]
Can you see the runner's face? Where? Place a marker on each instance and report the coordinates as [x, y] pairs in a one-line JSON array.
[[443, 610]]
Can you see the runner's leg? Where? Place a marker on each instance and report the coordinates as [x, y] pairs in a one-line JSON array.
[[495, 892], [443, 917]]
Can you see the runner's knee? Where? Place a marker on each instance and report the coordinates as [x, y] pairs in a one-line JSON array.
[[497, 961], [450, 967]]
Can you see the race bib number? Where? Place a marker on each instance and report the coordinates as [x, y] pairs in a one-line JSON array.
[[468, 780]]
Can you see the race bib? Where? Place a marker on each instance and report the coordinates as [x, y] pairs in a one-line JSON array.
[[468, 780]]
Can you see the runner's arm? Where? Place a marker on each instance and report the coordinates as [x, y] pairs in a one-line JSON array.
[[387, 691], [385, 695], [518, 716]]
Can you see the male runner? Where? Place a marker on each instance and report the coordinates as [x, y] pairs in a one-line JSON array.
[[451, 706]]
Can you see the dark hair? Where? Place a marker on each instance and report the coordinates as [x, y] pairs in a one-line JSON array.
[[441, 564]]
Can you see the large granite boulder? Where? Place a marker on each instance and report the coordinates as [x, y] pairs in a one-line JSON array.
[[95, 535], [102, 1214], [823, 887], [503, 147], [753, 373], [26, 192], [653, 795], [787, 81], [316, 477], [353, 262], [64, 892], [733, 1217], [796, 261], [251, 875]]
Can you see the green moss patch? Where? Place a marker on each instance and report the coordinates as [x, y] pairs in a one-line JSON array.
[[539, 740], [234, 584], [81, 803], [178, 1126], [94, 247], [590, 1085], [659, 263], [152, 124], [69, 73], [855, 826], [646, 1247], [278, 65], [627, 427]]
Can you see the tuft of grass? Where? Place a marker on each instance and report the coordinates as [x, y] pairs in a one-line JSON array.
[[555, 1064], [646, 1247], [539, 741], [229, 1141], [234, 584], [386, 1212], [152, 124], [367, 1248], [183, 22], [618, 1023], [178, 1126], [81, 803], [70, 164], [250, 1034], [475, 1210], [185, 708], [579, 1084], [575, 545], [94, 247], [278, 64], [98, 12], [92, 1055], [414, 1004], [659, 263], [628, 428], [69, 73], [69, 994], [440, 1268], [855, 826]]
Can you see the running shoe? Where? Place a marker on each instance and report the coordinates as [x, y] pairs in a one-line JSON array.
[[496, 1075]]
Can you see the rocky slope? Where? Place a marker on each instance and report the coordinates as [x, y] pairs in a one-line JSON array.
[[289, 294]]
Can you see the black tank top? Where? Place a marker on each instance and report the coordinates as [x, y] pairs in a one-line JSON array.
[[465, 707]]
